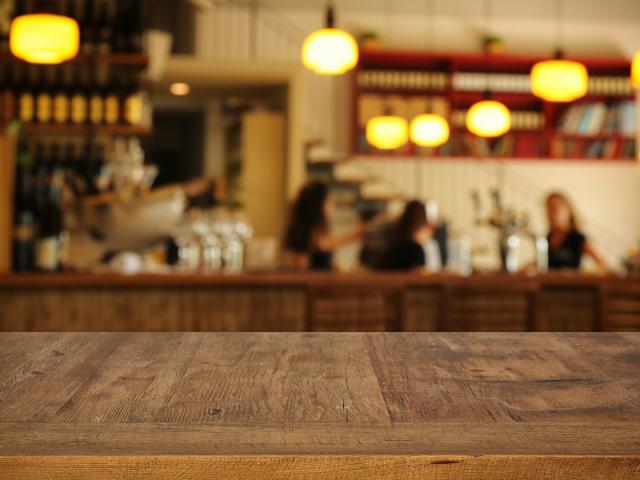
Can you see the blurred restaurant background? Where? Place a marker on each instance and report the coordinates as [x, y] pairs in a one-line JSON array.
[[229, 165]]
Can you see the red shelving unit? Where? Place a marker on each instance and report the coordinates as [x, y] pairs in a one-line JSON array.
[[404, 75]]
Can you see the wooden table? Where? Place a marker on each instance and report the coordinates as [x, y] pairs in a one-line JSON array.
[[319, 406]]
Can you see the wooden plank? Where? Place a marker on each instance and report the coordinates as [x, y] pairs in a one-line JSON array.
[[325, 467], [311, 381], [431, 438], [311, 406], [153, 309], [7, 179]]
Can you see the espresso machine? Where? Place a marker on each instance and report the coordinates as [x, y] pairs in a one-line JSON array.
[[513, 228]]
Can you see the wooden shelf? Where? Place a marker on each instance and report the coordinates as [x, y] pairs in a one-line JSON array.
[[517, 100], [124, 59], [71, 129]]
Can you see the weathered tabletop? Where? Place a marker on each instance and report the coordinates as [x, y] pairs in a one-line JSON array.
[[307, 406]]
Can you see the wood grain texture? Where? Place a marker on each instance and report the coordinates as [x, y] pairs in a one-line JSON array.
[[326, 468], [153, 309], [311, 405], [318, 302], [7, 180]]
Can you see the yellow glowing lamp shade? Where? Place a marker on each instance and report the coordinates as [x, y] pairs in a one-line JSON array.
[[387, 132], [44, 38], [429, 130], [488, 118], [635, 70], [330, 51], [559, 80]]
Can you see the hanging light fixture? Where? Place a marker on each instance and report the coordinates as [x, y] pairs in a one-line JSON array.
[[44, 38], [488, 117], [387, 131], [635, 70], [429, 129], [330, 51], [558, 79]]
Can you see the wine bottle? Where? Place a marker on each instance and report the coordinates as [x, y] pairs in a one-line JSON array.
[[7, 100], [135, 27], [24, 213], [112, 100], [44, 99], [80, 98], [88, 28], [61, 101], [26, 102], [119, 41], [96, 101], [42, 172], [51, 233], [104, 29], [134, 103]]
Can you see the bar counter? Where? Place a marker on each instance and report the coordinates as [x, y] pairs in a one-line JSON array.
[[290, 301], [328, 406]]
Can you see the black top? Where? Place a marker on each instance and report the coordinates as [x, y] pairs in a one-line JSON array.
[[320, 259], [404, 256], [569, 253]]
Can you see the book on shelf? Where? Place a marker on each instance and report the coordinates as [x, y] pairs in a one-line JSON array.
[[599, 118]]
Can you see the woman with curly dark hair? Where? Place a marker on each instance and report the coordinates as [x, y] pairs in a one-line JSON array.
[[308, 242]]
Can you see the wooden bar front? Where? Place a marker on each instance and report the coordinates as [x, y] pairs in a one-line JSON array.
[[319, 406], [318, 302]]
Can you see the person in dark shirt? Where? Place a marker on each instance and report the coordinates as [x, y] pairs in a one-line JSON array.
[[308, 242], [405, 248], [567, 244]]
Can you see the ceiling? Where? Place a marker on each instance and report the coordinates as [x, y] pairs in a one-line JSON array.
[[626, 11]]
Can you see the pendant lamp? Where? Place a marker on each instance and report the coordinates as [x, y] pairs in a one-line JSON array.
[[44, 38], [387, 132], [429, 129], [488, 118], [635, 70], [330, 51], [558, 79]]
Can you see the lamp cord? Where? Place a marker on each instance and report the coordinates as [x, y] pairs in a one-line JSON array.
[[488, 14], [559, 25]]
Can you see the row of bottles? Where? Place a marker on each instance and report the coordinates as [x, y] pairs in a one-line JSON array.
[[479, 82], [49, 178], [402, 79], [521, 83], [106, 26], [66, 95], [40, 241]]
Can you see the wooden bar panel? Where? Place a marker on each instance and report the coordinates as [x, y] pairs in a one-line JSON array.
[[487, 310], [318, 302], [353, 310], [567, 309], [621, 308], [153, 309], [423, 309]]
